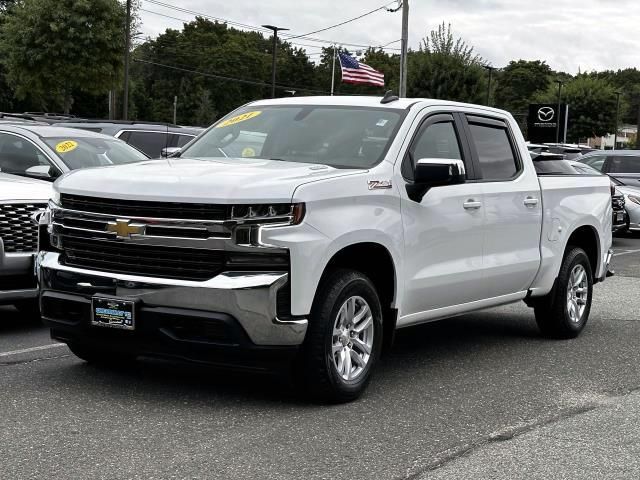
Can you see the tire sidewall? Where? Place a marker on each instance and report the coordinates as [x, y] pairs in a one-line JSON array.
[[576, 257], [358, 285]]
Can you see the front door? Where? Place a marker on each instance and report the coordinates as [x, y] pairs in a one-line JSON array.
[[443, 232]]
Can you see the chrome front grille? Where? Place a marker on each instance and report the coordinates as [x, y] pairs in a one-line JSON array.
[[194, 250], [19, 234]]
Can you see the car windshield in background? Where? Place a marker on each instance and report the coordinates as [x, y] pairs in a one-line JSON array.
[[340, 137], [84, 152]]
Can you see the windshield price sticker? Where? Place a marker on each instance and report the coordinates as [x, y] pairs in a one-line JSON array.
[[66, 146], [238, 118]]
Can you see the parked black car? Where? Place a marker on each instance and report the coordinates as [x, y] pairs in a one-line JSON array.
[[148, 137], [623, 165]]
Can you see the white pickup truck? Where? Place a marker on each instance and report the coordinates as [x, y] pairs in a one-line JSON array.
[[337, 221]]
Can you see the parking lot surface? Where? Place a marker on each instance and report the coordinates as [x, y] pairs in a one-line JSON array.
[[449, 398]]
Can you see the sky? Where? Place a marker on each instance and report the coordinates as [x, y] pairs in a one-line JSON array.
[[570, 35]]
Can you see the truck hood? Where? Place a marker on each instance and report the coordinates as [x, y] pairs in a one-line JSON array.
[[223, 180], [13, 187]]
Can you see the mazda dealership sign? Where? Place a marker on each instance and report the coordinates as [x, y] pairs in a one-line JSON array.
[[544, 120]]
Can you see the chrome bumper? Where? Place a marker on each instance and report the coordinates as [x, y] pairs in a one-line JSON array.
[[248, 297]]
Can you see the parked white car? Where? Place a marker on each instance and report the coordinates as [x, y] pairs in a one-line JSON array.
[[20, 199], [354, 217]]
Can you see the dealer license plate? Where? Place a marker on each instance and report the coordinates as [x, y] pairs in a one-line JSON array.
[[113, 313]]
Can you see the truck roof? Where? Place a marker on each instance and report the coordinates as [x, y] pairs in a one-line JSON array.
[[368, 101]]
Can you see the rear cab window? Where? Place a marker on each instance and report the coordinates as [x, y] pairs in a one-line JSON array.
[[496, 156]]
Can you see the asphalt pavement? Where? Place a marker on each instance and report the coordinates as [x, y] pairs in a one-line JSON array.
[[478, 396]]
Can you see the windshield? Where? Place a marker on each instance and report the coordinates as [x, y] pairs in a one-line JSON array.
[[340, 137], [84, 152]]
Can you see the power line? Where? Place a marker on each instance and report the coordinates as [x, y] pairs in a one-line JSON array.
[[253, 27], [296, 44], [383, 7], [227, 77]]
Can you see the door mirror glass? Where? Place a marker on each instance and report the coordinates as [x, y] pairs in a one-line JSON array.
[[170, 152], [434, 172]]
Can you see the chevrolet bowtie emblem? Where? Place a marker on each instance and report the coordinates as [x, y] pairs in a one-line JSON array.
[[125, 229]]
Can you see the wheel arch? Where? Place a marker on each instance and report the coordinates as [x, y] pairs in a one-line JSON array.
[[376, 262], [586, 237]]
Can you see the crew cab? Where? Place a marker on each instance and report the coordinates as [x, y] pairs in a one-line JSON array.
[[341, 220], [20, 199]]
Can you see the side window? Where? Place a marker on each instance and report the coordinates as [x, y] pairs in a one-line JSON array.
[[150, 143], [624, 164], [436, 140], [595, 161], [495, 154], [17, 155], [183, 140]]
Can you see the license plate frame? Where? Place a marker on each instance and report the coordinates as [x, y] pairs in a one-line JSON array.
[[113, 312]]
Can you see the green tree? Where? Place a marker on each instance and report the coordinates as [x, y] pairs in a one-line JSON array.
[[519, 82], [52, 48], [592, 106], [446, 68]]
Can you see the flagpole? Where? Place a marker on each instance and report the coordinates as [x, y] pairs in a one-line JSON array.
[[333, 70]]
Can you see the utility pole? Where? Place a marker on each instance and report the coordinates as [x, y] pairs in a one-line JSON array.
[[404, 48], [490, 69], [560, 83], [275, 31], [615, 135], [127, 47], [333, 70], [175, 109]]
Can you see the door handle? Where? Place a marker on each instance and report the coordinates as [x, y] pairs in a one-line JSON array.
[[472, 204], [531, 201]]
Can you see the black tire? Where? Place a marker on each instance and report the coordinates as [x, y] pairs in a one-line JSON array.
[[316, 372], [552, 311], [101, 356], [30, 310]]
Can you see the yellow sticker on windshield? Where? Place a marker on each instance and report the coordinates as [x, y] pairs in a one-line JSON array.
[[66, 146], [248, 152], [238, 118]]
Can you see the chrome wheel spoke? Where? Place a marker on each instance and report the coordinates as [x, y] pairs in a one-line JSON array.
[[366, 323], [357, 359], [347, 364], [362, 346], [364, 310]]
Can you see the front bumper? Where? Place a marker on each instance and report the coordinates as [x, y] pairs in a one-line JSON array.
[[241, 305], [17, 279]]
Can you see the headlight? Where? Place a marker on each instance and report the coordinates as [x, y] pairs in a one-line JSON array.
[[634, 199], [281, 213], [55, 196]]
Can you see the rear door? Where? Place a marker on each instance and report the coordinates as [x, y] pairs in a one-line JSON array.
[[512, 206]]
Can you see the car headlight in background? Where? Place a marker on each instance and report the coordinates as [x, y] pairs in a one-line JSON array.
[[634, 199]]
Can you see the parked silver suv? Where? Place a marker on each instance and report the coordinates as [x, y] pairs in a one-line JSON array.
[[20, 199]]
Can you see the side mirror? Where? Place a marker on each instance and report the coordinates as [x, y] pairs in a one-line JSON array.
[[42, 172], [435, 172], [170, 152]]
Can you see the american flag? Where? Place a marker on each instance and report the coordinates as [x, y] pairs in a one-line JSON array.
[[359, 73]]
